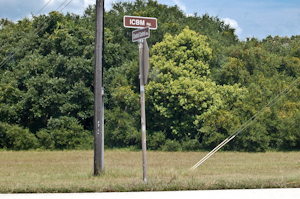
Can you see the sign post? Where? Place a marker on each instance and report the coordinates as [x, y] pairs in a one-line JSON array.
[[143, 112], [144, 24]]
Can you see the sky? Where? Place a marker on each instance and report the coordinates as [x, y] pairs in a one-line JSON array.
[[251, 18]]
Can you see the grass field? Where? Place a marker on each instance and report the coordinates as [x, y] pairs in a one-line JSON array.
[[72, 171]]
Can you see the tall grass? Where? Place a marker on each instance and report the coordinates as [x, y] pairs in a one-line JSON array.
[[72, 171]]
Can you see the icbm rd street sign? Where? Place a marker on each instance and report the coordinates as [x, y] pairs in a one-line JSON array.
[[140, 22]]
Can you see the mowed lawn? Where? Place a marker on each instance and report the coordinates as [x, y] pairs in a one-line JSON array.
[[72, 171]]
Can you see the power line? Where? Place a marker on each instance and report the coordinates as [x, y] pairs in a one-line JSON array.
[[30, 37], [249, 122], [24, 26]]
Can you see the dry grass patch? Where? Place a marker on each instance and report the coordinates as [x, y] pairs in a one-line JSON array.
[[72, 171]]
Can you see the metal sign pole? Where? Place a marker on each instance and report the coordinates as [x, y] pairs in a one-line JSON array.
[[143, 114], [145, 24]]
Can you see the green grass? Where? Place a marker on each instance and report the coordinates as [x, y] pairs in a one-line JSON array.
[[72, 171]]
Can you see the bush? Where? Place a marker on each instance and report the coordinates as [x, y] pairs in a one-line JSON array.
[[64, 122], [171, 145], [156, 141], [65, 133], [289, 133], [3, 129], [17, 138], [211, 137], [134, 138], [191, 145], [253, 139], [70, 139], [121, 129], [45, 139]]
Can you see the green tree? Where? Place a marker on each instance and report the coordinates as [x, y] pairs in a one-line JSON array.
[[181, 98]]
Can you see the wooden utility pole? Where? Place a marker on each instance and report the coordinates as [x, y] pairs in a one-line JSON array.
[[99, 91]]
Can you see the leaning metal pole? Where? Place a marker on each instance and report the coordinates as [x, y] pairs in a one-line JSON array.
[[99, 91]]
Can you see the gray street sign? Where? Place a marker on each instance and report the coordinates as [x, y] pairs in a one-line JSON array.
[[140, 34]]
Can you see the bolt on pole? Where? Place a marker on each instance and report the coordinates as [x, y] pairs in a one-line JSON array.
[[99, 91], [143, 114]]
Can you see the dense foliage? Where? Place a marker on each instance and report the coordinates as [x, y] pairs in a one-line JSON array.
[[203, 83]]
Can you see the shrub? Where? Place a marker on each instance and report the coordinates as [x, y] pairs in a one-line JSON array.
[[65, 133], [171, 145], [45, 139], [120, 129], [253, 139], [134, 138], [70, 139], [191, 145], [289, 135], [3, 129], [156, 141], [17, 138]]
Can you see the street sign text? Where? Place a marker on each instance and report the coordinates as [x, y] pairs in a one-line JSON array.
[[140, 22]]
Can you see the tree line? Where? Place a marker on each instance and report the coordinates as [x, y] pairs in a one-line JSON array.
[[204, 83]]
